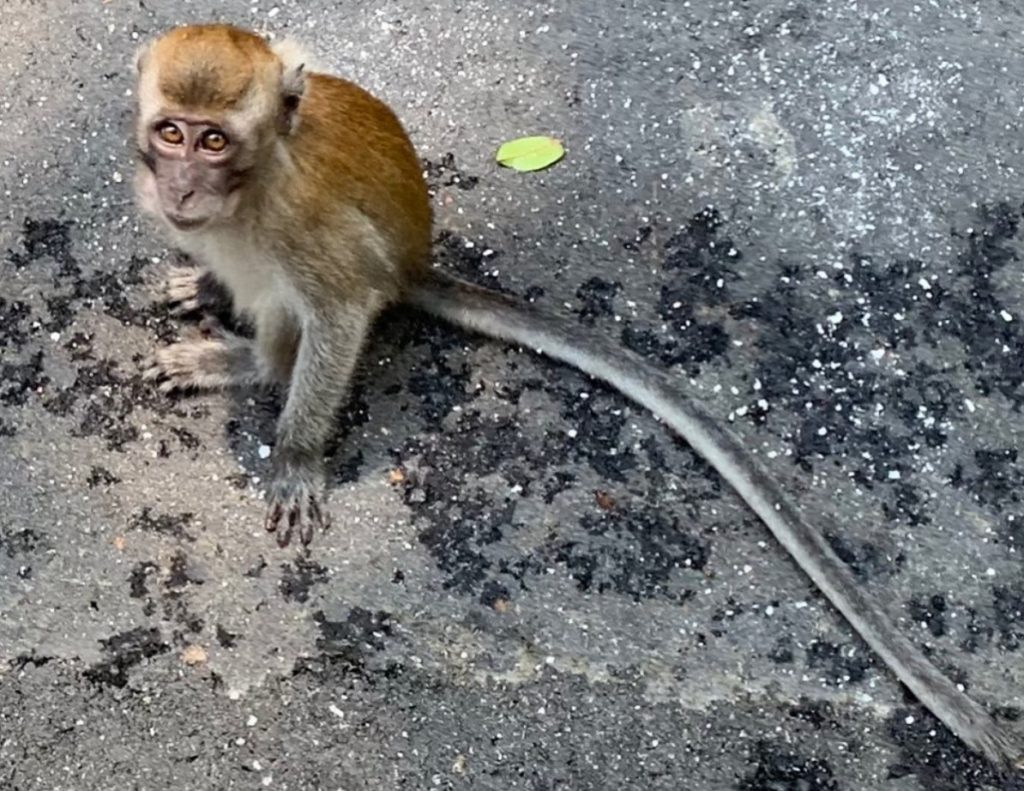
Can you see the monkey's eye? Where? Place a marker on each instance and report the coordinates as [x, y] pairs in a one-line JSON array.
[[215, 141], [169, 133]]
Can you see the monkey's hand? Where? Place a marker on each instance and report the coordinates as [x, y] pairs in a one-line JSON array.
[[188, 290], [181, 288], [293, 506]]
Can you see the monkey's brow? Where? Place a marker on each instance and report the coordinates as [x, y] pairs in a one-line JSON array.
[[193, 120]]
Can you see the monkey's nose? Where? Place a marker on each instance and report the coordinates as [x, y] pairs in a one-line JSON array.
[[185, 197]]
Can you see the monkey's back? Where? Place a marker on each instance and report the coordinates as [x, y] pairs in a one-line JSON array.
[[351, 153]]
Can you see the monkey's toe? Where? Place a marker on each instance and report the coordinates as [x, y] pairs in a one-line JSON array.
[[191, 364], [294, 508]]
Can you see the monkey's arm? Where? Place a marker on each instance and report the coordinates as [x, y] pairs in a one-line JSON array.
[[508, 319], [332, 336]]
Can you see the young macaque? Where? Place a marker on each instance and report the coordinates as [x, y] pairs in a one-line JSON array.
[[301, 194]]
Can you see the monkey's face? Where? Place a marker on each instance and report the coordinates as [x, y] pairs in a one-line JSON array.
[[190, 178], [210, 100]]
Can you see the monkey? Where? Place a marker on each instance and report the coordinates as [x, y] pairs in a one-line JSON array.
[[301, 194]]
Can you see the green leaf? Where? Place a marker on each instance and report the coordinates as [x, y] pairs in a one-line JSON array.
[[530, 153]]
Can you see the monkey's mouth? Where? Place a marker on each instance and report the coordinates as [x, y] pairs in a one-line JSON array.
[[185, 223]]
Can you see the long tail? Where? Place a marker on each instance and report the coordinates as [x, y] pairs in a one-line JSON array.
[[509, 319]]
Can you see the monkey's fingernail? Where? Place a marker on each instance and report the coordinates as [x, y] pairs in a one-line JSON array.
[[293, 516], [284, 537], [273, 517]]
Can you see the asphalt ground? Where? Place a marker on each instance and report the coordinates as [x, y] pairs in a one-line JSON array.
[[809, 211]]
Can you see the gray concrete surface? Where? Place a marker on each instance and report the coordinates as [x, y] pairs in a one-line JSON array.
[[810, 211]]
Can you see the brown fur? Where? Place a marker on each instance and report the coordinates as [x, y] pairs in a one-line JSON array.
[[355, 176], [212, 67]]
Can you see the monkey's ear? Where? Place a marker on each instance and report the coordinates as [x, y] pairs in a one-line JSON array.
[[293, 81], [140, 57]]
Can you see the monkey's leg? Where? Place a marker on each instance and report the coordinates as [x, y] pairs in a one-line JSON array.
[[327, 355], [207, 362]]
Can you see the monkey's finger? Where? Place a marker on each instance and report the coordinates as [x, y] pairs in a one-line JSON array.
[[284, 537], [273, 517], [295, 519], [184, 307], [174, 385], [153, 370], [306, 528], [181, 283]]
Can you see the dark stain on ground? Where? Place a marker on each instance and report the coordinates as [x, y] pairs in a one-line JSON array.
[[125, 651], [446, 174], [1008, 606], [839, 665], [26, 541], [23, 546], [362, 632], [172, 525], [138, 584], [12, 318], [817, 713], [19, 380], [438, 385], [468, 260], [109, 396], [807, 367], [782, 652], [930, 611], [596, 296], [178, 578], [42, 238], [297, 581], [634, 553], [995, 479], [226, 639], [864, 558], [101, 476], [778, 768], [633, 550], [939, 760], [698, 264]]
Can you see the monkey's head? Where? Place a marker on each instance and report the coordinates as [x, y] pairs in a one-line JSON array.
[[213, 102]]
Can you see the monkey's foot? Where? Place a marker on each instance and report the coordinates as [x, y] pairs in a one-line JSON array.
[[207, 361], [293, 507]]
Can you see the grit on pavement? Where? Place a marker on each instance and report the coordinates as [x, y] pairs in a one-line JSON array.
[[808, 211]]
